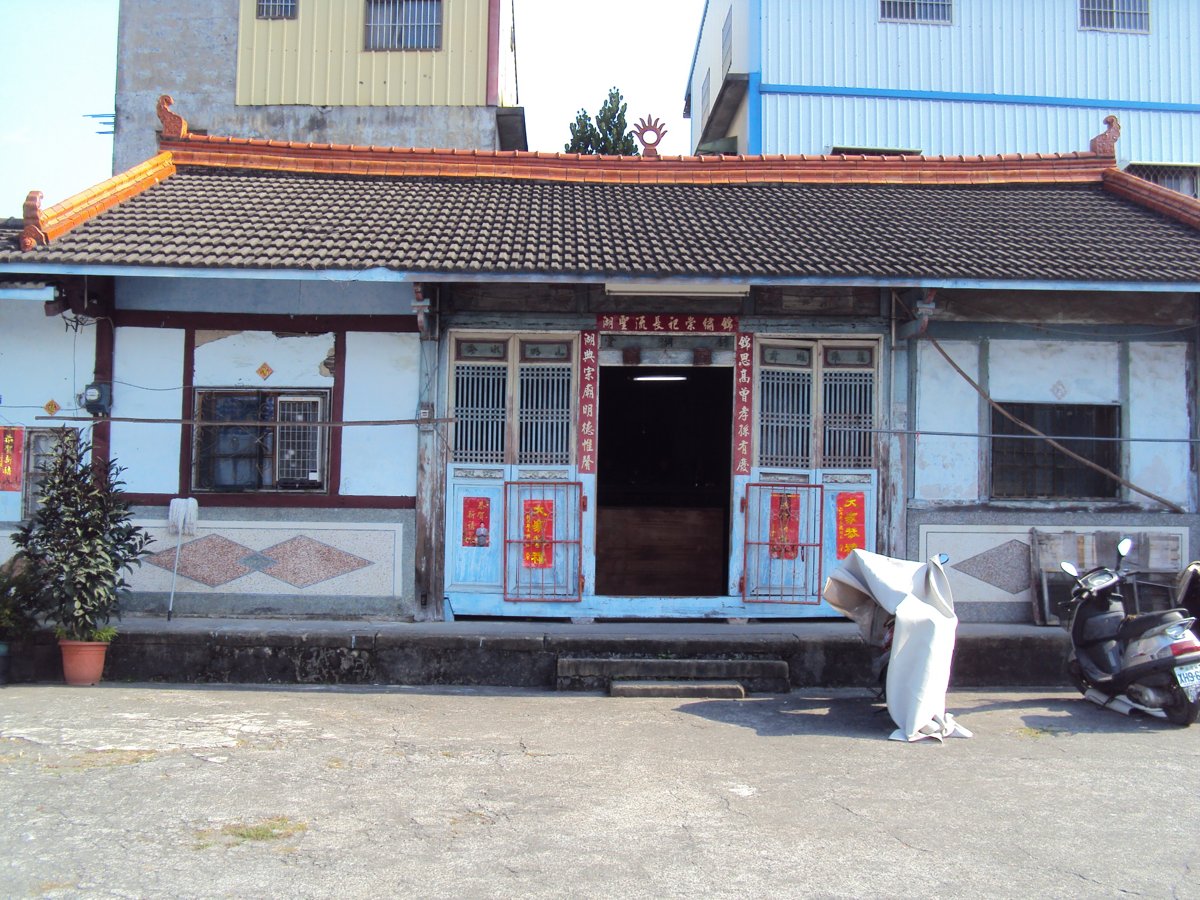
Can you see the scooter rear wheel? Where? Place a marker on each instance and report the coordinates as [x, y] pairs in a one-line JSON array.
[[1179, 709]]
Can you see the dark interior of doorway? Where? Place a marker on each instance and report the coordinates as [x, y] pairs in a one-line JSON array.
[[663, 482]]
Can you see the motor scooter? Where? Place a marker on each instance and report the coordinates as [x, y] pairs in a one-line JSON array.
[[1148, 662]]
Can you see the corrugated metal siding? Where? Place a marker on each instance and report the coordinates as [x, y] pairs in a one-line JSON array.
[[793, 124], [318, 59], [1023, 47], [1020, 48]]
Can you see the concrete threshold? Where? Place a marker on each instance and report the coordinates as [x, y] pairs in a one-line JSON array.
[[517, 653], [709, 690]]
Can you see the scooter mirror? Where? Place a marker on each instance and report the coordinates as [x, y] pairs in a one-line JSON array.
[[1123, 548], [1069, 569], [943, 558]]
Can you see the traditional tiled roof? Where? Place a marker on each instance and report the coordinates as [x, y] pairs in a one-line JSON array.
[[228, 203]]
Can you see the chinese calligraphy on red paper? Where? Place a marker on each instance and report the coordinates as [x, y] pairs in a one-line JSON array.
[[785, 525], [12, 440], [851, 523], [539, 534], [477, 517]]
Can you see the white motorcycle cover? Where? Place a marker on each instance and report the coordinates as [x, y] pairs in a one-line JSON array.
[[870, 589]]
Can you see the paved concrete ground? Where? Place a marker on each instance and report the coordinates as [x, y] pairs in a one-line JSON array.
[[185, 791]]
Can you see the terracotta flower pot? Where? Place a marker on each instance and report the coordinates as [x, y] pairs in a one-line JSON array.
[[83, 661]]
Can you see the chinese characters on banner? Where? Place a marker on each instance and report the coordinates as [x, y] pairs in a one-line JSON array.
[[477, 515], [743, 393], [785, 525], [589, 395], [667, 324], [539, 534], [851, 522], [12, 442]]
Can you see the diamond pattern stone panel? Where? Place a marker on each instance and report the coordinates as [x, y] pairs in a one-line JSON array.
[[211, 560], [1005, 566], [302, 562]]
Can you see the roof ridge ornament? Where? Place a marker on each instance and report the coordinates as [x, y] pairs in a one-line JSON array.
[[174, 126], [34, 232], [654, 128], [1106, 144]]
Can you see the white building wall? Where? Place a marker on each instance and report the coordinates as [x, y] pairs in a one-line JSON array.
[[381, 383], [40, 360], [946, 468], [709, 56], [1054, 372], [231, 359], [1158, 408], [148, 384]]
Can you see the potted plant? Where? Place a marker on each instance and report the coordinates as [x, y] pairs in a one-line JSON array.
[[78, 547], [16, 611]]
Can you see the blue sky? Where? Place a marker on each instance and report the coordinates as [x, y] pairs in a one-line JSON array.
[[58, 63]]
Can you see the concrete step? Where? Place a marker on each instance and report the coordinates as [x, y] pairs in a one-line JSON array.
[[598, 673], [710, 690]]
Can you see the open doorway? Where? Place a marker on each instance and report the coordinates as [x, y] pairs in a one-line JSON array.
[[663, 481]]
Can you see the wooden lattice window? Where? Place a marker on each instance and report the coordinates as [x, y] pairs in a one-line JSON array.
[[512, 400]]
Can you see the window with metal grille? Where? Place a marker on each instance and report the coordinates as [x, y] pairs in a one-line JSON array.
[[39, 446], [268, 443], [933, 12], [276, 9], [1027, 468], [1184, 179], [498, 380], [1115, 15], [403, 25], [816, 406]]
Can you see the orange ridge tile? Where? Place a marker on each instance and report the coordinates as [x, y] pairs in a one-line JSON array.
[[1146, 193], [44, 225]]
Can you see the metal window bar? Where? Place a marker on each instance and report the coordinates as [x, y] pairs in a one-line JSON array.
[[298, 447], [785, 418], [276, 9], [234, 457], [938, 12], [1184, 179], [849, 412], [1024, 469], [39, 448], [544, 415], [783, 553], [1115, 15], [404, 24], [480, 400], [543, 547]]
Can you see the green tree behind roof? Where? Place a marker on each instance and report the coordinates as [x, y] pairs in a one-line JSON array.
[[609, 134]]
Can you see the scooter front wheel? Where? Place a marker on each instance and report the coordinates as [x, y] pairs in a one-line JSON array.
[[1179, 709]]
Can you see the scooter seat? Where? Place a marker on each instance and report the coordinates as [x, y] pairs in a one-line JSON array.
[[1135, 626]]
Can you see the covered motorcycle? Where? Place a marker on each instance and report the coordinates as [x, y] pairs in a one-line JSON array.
[[912, 603]]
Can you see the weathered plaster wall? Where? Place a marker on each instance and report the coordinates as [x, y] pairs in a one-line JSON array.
[[148, 384], [231, 359], [1159, 404], [1054, 372], [946, 468], [381, 383], [40, 360]]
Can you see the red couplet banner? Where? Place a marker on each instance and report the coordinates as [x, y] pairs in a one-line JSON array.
[[12, 444], [851, 522], [539, 534]]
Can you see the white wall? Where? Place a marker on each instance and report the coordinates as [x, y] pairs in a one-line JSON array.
[[40, 360], [1158, 408], [232, 359], [148, 384], [946, 468], [1053, 372], [381, 383]]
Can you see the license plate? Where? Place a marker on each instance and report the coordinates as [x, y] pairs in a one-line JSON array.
[[1189, 678]]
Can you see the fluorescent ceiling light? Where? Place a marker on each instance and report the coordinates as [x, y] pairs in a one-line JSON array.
[[677, 288], [660, 378]]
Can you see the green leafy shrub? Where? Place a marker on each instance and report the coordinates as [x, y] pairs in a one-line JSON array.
[[80, 543], [16, 600]]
